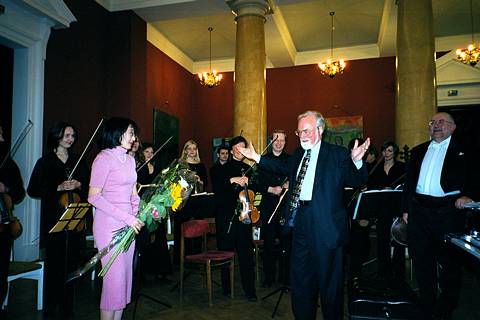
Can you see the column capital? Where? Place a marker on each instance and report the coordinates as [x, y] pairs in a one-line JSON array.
[[242, 8]]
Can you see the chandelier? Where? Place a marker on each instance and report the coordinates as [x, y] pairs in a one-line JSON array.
[[471, 55], [210, 79], [332, 68]]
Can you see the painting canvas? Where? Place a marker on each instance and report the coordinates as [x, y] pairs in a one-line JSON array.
[[340, 130]]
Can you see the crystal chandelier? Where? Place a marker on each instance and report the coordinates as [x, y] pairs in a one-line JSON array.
[[210, 79], [332, 68], [471, 55]]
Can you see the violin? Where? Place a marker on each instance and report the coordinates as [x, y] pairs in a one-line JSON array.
[[8, 219], [249, 213]]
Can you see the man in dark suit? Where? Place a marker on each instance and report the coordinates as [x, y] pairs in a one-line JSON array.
[[318, 173], [437, 187]]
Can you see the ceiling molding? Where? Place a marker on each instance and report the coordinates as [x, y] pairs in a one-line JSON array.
[[387, 34], [350, 53], [279, 46], [164, 45], [120, 5]]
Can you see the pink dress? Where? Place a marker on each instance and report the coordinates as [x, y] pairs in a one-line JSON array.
[[113, 170]]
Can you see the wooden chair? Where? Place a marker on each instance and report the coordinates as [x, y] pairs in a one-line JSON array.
[[207, 258]]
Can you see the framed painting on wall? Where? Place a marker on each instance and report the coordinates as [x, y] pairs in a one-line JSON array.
[[164, 127], [340, 130]]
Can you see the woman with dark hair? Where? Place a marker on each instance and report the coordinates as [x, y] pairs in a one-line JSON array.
[[388, 174], [149, 171], [49, 181], [113, 193]]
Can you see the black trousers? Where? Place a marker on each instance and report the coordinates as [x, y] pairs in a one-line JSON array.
[[428, 223], [240, 240], [270, 257], [315, 271], [5, 250]]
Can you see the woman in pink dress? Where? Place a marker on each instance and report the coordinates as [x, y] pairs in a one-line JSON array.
[[112, 192]]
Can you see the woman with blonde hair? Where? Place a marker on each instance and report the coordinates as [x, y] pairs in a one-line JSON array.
[[191, 156]]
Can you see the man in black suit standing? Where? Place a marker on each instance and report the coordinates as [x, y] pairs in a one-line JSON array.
[[437, 187], [318, 173]]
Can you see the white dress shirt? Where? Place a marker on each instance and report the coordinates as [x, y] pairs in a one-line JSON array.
[[431, 170]]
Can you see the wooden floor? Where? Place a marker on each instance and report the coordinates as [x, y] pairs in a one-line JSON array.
[[195, 307]]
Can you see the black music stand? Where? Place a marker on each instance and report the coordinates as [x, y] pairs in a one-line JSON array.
[[285, 288], [381, 204], [69, 221]]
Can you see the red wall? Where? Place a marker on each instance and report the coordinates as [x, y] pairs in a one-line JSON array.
[[103, 66]]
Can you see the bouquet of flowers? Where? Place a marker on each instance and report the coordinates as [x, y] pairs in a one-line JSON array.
[[168, 193]]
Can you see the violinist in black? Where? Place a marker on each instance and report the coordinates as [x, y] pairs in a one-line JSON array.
[[49, 181], [272, 185], [11, 185], [156, 257], [233, 235]]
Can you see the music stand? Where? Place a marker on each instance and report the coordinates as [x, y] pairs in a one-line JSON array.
[[285, 243], [372, 201], [381, 204], [69, 220]]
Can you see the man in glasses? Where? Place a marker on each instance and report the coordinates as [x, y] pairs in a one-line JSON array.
[[318, 172], [437, 187]]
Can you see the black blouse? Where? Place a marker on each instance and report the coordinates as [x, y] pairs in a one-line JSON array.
[[48, 173]]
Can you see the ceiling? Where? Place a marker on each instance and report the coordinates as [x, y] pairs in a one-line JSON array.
[[298, 31]]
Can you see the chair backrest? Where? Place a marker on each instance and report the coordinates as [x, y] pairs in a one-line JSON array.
[[195, 228]]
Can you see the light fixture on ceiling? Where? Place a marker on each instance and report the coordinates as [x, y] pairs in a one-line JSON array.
[[211, 78], [331, 68], [471, 54]]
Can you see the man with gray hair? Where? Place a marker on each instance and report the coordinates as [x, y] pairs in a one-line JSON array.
[[438, 184], [318, 173]]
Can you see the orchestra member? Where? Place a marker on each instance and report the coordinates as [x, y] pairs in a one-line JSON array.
[[136, 153], [222, 158], [318, 173], [440, 181], [155, 257], [11, 186], [113, 193], [191, 155], [271, 185], [233, 235], [49, 182], [388, 174]]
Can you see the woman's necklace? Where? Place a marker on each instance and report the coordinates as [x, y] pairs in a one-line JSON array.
[[122, 158]]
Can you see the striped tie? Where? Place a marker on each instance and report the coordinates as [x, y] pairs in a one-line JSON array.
[[295, 197]]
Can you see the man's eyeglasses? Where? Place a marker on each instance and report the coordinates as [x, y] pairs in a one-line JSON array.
[[440, 122], [305, 132]]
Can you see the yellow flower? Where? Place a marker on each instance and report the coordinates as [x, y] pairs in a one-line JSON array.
[[176, 196]]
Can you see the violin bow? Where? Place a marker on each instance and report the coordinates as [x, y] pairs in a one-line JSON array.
[[18, 141], [163, 145], [263, 151], [85, 150], [279, 202]]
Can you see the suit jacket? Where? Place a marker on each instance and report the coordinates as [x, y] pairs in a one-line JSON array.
[[456, 174], [335, 170]]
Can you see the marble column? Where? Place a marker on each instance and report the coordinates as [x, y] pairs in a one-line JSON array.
[[249, 98], [416, 99]]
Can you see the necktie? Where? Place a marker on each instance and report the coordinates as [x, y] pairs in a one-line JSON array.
[[294, 199]]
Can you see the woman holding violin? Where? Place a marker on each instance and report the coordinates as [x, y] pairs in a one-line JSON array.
[[232, 234], [11, 192], [56, 185]]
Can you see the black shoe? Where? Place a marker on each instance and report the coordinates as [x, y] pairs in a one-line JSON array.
[[252, 298]]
